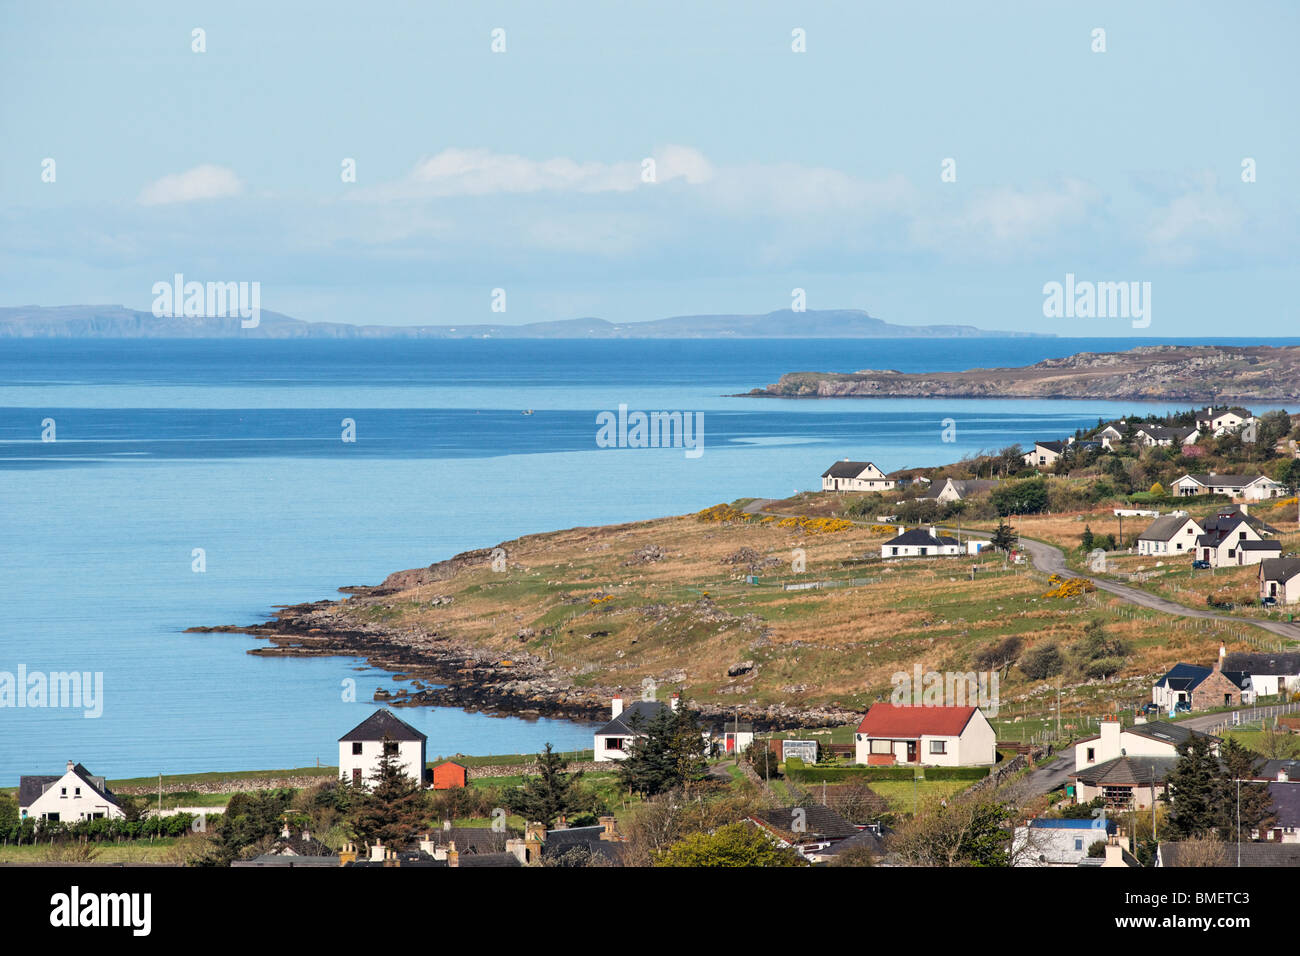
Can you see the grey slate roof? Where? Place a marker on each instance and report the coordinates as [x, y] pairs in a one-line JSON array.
[[919, 537], [381, 724], [821, 823], [1128, 771], [1185, 677], [870, 839], [1281, 664], [640, 712], [1252, 854], [1163, 529], [1260, 546], [1225, 481], [846, 469], [1279, 569], [1286, 803]]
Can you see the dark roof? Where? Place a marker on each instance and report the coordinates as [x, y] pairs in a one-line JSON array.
[[1057, 446], [963, 486], [1260, 546], [1252, 854], [579, 840], [846, 469], [1279, 569], [870, 839], [1225, 481], [819, 823], [920, 537], [1286, 803], [381, 724], [639, 712], [272, 859], [488, 859], [1269, 768], [1187, 676], [1128, 771], [472, 840], [1175, 734], [733, 727], [1162, 529], [31, 787], [1165, 433]]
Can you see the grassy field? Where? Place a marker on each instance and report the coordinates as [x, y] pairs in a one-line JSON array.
[[161, 850]]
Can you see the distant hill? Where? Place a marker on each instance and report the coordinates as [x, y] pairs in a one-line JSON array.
[[118, 322]]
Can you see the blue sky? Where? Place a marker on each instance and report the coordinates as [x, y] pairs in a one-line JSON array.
[[775, 169]]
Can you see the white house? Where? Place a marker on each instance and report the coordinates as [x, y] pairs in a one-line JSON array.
[[1279, 578], [1220, 420], [957, 489], [360, 748], [855, 476], [1045, 453], [76, 795], [1153, 435], [920, 543], [1151, 739], [1064, 842], [1110, 435], [928, 736], [1174, 534], [734, 736], [1270, 674], [627, 723], [1250, 487]]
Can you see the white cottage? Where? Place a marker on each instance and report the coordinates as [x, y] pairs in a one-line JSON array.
[[1174, 534], [1279, 579], [920, 543], [614, 740], [927, 736], [1249, 487], [856, 476], [361, 748], [75, 795]]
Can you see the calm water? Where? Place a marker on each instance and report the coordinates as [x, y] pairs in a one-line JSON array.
[[234, 447]]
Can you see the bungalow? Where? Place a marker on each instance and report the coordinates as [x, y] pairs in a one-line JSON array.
[[928, 736], [1285, 824], [1250, 487], [733, 737], [383, 732], [956, 489], [1270, 674], [1125, 783], [1065, 842], [1045, 453], [855, 476], [626, 724], [1279, 578], [809, 830], [1201, 688], [1149, 739], [920, 543], [1110, 435], [1172, 534], [1222, 419], [1152, 435], [74, 795]]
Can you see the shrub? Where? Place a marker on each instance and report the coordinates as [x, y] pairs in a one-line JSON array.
[[1043, 661]]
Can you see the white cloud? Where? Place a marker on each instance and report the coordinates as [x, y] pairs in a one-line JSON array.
[[1191, 223], [201, 182]]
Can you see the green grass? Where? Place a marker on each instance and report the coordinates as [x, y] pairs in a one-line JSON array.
[[135, 851], [900, 793]]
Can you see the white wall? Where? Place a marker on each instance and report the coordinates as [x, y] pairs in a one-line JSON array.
[[410, 754], [70, 806]]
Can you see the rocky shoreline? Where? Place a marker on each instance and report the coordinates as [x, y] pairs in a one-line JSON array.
[[445, 672]]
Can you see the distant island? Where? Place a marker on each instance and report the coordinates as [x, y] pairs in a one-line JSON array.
[[118, 322], [1193, 373]]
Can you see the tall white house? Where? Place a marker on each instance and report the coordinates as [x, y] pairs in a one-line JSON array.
[[361, 748], [613, 741], [76, 795]]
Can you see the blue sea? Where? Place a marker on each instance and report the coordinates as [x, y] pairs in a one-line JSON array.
[[235, 447]]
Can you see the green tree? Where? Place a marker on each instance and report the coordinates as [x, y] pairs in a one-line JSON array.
[[1004, 538], [1256, 804], [250, 820], [550, 793], [669, 753], [967, 830], [1195, 791], [394, 808], [736, 844], [1042, 661], [1288, 476], [1020, 497], [1087, 540]]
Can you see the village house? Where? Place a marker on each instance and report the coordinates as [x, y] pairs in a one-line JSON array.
[[1151, 436], [362, 747], [1045, 453], [958, 489], [74, 795], [809, 830], [1250, 487], [1284, 827], [1125, 783], [733, 736], [1223, 419], [855, 476], [1047, 841], [1232, 538], [920, 543], [925, 736], [907, 477], [1270, 674], [1112, 435], [1201, 688], [612, 742], [1144, 739], [1250, 854], [1279, 579], [1172, 534]]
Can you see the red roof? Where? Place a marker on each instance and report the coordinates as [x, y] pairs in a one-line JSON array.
[[887, 720]]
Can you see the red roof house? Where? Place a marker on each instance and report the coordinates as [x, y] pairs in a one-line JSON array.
[[925, 736]]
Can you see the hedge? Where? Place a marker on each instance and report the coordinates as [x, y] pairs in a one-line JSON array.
[[796, 770]]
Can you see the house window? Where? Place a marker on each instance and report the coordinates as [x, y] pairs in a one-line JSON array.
[[63, 793], [613, 743], [882, 746], [938, 746], [1092, 755], [356, 749], [1078, 843], [76, 792], [390, 748]]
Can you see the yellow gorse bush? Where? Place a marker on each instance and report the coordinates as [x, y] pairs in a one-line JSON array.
[[804, 524]]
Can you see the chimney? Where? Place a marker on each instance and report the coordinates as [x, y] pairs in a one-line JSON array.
[[608, 824], [562, 822], [1244, 509], [348, 854], [1223, 651], [377, 853], [675, 701], [516, 848], [70, 766], [284, 832], [617, 707], [934, 532], [306, 834], [453, 856], [1109, 749], [1282, 775]]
